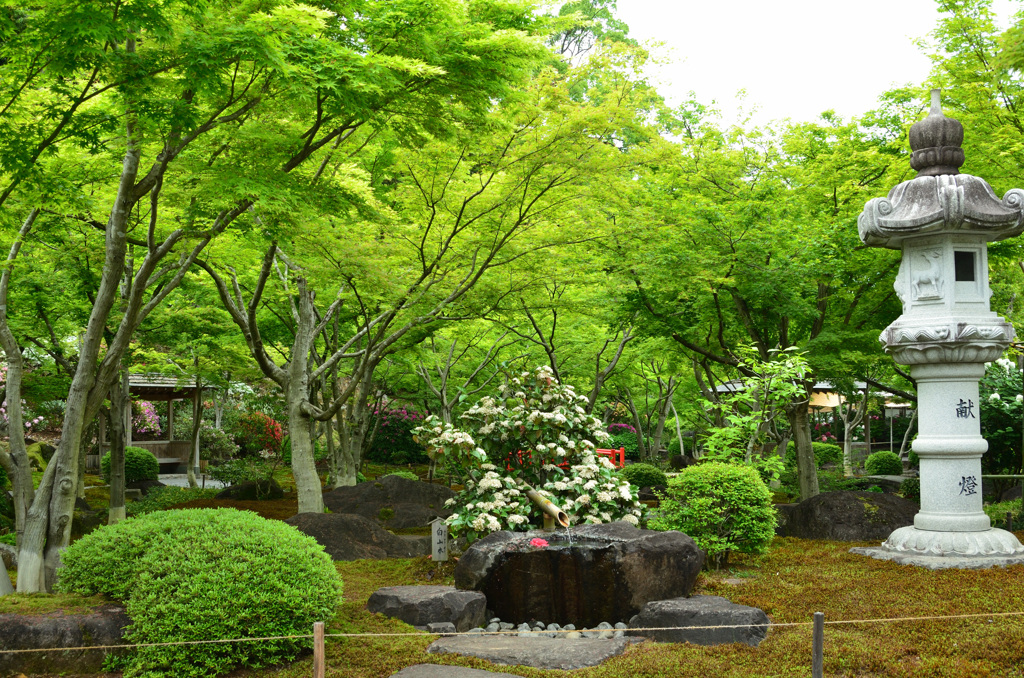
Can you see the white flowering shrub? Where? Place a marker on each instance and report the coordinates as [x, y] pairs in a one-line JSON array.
[[534, 432]]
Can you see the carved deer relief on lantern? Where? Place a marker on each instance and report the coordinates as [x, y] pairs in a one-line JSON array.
[[927, 275]]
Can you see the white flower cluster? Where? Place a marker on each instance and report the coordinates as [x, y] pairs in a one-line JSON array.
[[538, 431]]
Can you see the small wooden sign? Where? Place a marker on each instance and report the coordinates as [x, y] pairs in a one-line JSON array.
[[438, 540]]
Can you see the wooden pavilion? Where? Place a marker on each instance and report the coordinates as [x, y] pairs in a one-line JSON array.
[[172, 454]]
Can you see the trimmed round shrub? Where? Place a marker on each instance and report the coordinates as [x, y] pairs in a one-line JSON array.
[[644, 475], [408, 475], [911, 489], [205, 574], [824, 453], [256, 432], [139, 464], [723, 507], [884, 463]]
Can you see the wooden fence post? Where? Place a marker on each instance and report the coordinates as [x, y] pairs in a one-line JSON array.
[[319, 662], [818, 656]]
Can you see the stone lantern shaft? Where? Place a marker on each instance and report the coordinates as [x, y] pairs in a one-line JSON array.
[[942, 221]]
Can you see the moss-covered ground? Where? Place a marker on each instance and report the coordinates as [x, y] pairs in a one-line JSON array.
[[796, 579]]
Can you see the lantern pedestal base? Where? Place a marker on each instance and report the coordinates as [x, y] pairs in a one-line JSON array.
[[946, 550]]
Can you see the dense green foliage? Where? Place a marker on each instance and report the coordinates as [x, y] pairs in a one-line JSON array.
[[723, 507], [160, 498], [911, 489], [644, 475], [408, 475], [1001, 396], [884, 463], [198, 574], [214, 443], [246, 469], [824, 453], [626, 440], [139, 464]]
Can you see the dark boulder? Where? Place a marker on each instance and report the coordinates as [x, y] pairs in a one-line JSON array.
[[608, 573], [9, 555], [102, 626], [750, 624], [423, 605], [252, 490], [848, 516], [350, 537], [392, 501], [145, 486]]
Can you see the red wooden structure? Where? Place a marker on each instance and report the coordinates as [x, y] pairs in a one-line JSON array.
[[612, 454]]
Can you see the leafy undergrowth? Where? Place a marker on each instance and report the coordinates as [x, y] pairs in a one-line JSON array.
[[45, 603], [277, 509], [794, 580]]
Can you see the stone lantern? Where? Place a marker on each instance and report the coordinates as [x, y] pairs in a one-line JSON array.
[[943, 221]]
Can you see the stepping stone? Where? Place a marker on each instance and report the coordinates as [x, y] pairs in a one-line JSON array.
[[541, 653], [422, 605], [698, 611], [439, 671]]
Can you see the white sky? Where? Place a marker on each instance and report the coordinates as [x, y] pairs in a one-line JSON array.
[[794, 58]]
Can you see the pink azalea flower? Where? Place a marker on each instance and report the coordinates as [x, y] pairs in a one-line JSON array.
[[538, 543]]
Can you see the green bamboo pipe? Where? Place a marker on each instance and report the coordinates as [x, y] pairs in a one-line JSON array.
[[552, 514]]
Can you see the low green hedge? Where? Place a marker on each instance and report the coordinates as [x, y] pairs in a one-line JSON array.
[[824, 453], [206, 574], [139, 464], [644, 475], [884, 463]]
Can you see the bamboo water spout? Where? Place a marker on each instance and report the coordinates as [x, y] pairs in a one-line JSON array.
[[552, 514]]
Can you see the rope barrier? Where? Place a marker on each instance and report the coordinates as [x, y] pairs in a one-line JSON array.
[[880, 620]]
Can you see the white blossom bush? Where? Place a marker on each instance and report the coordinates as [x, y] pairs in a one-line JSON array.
[[534, 432]]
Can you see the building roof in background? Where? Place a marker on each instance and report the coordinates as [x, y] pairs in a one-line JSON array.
[[161, 386]]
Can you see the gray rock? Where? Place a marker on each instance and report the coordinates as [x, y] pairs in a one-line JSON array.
[[604, 625], [9, 555], [493, 628], [494, 620], [419, 605], [443, 671], [621, 625], [541, 653], [698, 611], [392, 501], [506, 626], [351, 537], [553, 626], [591, 634], [103, 625], [573, 635], [627, 565], [606, 634], [847, 516], [569, 627], [476, 630], [443, 628], [618, 634]]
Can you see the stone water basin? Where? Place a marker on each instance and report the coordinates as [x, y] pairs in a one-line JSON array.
[[606, 572]]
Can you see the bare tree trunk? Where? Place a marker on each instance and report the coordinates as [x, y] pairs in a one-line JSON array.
[[120, 422], [807, 468], [197, 423], [15, 461], [307, 481], [906, 436]]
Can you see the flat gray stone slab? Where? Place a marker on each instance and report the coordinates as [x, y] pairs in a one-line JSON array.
[[540, 653], [439, 671]]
